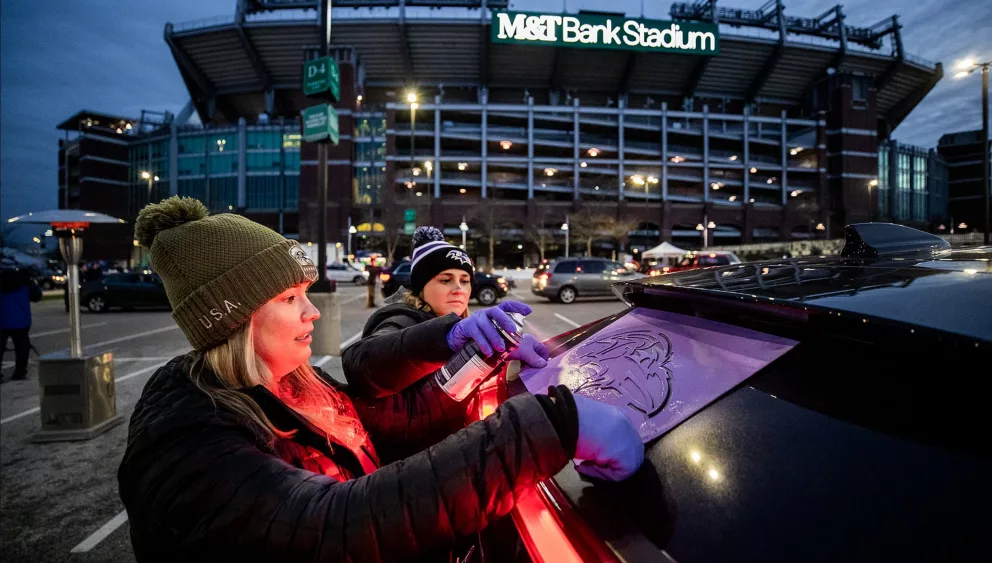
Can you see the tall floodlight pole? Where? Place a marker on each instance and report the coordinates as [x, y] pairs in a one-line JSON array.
[[965, 68]]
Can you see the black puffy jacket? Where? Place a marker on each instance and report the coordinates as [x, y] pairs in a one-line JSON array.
[[400, 345], [201, 484]]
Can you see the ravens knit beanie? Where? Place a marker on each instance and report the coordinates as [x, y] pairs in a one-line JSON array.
[[217, 269], [432, 255]]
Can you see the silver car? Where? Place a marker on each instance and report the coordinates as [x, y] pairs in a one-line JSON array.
[[565, 279]]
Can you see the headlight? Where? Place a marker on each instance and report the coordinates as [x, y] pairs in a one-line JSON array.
[[501, 280]]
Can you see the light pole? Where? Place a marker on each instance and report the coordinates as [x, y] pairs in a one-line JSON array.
[[411, 98], [705, 227], [872, 184], [965, 68], [564, 227], [351, 230], [464, 229]]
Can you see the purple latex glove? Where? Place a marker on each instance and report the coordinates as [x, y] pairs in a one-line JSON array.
[[608, 446], [479, 327], [531, 352]]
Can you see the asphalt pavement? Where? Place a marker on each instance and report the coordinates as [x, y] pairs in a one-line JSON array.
[[59, 501]]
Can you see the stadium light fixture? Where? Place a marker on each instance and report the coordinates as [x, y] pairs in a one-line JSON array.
[[462, 166], [754, 170], [732, 198], [583, 164], [411, 97], [155, 178], [820, 227], [359, 98], [652, 180], [550, 171], [966, 63], [145, 175], [593, 152], [505, 145], [637, 179], [462, 190], [733, 157]]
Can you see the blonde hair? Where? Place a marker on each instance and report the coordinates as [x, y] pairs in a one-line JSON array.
[[235, 367]]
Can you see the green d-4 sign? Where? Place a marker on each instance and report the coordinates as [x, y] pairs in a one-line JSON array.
[[320, 123], [322, 75]]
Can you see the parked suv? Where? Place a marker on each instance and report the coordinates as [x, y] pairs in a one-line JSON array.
[[565, 279], [693, 260]]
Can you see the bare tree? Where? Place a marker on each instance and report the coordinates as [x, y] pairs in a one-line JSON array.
[[487, 220], [392, 230], [587, 225], [537, 230]]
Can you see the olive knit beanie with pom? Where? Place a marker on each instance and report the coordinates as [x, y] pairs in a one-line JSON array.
[[432, 255], [217, 269]]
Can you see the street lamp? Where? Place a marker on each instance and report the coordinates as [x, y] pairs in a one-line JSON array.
[[705, 227], [564, 227], [965, 68], [464, 229], [351, 230], [411, 98], [872, 184]]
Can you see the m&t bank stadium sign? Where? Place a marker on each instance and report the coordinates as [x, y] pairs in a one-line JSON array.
[[605, 32]]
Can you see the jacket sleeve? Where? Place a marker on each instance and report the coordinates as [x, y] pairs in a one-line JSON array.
[[407, 422], [392, 358], [210, 491]]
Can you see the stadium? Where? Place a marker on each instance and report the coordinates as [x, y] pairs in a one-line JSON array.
[[719, 125]]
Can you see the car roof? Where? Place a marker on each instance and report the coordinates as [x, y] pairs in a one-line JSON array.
[[948, 290]]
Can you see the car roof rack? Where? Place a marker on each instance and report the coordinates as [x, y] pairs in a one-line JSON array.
[[877, 240]]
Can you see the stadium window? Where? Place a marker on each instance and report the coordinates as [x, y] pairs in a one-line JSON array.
[[859, 88]]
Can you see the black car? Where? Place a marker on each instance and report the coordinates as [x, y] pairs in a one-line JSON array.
[[857, 428], [487, 289], [127, 290]]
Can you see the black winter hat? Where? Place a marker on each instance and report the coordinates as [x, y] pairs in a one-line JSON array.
[[432, 255]]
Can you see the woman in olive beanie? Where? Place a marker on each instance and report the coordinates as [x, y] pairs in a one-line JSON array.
[[241, 451]]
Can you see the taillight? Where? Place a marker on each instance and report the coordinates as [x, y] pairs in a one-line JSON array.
[[545, 276], [654, 272], [384, 277]]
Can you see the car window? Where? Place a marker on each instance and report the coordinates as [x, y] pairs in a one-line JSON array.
[[402, 269], [566, 267], [593, 266], [687, 261]]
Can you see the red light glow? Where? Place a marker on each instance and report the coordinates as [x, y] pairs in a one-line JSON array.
[[384, 277], [540, 530]]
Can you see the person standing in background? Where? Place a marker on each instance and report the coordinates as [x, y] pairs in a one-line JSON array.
[[17, 291]]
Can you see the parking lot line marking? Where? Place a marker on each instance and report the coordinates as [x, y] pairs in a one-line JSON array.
[[20, 414], [568, 320], [101, 534], [120, 379], [354, 338], [133, 336], [63, 330], [136, 373], [320, 363]]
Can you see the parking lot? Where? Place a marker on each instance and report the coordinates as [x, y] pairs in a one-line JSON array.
[[59, 501]]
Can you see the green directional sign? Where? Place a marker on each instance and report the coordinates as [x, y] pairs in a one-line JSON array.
[[409, 215], [595, 31], [322, 76], [320, 123], [409, 228]]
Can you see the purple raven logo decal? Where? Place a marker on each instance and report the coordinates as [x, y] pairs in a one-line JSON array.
[[632, 367]]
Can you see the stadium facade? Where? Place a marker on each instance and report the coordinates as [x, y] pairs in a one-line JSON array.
[[768, 125]]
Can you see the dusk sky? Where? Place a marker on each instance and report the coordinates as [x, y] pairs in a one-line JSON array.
[[58, 57]]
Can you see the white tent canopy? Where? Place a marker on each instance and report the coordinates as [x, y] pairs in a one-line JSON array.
[[664, 250]]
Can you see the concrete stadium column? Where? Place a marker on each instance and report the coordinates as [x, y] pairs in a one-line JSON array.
[[785, 163], [822, 195], [437, 147], [620, 107], [747, 156], [747, 228], [530, 147], [664, 154], [706, 154], [242, 165], [575, 149], [173, 160], [484, 95]]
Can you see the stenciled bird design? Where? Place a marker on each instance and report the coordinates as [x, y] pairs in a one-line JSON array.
[[633, 364]]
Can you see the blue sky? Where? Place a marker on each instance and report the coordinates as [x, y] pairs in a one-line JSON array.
[[58, 57]]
